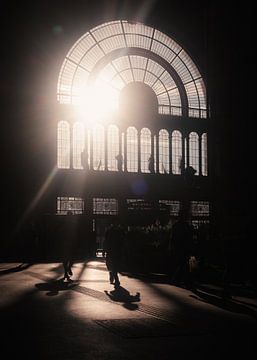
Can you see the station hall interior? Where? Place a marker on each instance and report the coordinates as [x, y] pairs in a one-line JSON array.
[[109, 107]]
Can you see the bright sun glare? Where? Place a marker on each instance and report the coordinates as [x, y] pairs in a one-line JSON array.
[[97, 102]]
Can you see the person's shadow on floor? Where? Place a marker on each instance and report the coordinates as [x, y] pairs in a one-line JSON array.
[[17, 268], [122, 295], [54, 287]]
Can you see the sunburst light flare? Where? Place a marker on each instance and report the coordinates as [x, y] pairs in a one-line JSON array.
[[97, 102]]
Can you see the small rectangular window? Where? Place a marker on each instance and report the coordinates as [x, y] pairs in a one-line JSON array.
[[173, 206], [200, 208], [69, 203], [104, 206]]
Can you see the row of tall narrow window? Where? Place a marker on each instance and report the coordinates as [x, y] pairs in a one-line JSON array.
[[133, 151]]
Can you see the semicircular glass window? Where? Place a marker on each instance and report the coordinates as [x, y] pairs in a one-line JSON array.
[[123, 52]]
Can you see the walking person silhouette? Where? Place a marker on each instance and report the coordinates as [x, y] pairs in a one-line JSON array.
[[113, 249], [181, 247], [68, 244]]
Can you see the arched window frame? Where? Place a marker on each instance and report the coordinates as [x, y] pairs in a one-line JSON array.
[[145, 149], [132, 149], [78, 143], [63, 145], [112, 147], [115, 36], [194, 151], [98, 148], [164, 152], [176, 143], [204, 154]]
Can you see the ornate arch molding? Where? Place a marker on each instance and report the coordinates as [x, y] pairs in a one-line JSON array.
[[104, 43]]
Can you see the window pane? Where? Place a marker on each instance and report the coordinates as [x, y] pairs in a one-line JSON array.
[[145, 149], [204, 155], [69, 203], [105, 206], [176, 152], [132, 150], [98, 148], [113, 147], [63, 145], [78, 144], [194, 151], [174, 206], [200, 208], [164, 165]]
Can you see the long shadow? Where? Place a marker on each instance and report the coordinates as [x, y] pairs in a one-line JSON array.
[[147, 278], [35, 327], [122, 295], [233, 290], [20, 267], [54, 287], [59, 270], [49, 328], [188, 313], [223, 303]]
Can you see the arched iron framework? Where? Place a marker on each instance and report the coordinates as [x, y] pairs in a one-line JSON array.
[[119, 52]]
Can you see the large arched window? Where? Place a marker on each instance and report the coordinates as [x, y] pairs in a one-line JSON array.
[[164, 163], [78, 140], [204, 155], [95, 71], [118, 52], [63, 145], [176, 142], [113, 147], [132, 150], [98, 147], [145, 150], [194, 151]]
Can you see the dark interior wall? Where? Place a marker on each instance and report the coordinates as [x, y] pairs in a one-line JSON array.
[[231, 76]]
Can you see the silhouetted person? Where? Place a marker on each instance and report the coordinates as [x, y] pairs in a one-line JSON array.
[[68, 239], [113, 249], [181, 248], [189, 176], [151, 164], [119, 159]]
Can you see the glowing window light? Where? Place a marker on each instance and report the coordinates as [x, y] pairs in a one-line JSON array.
[[103, 39], [78, 141], [112, 148], [127, 69], [132, 150], [164, 166], [145, 149], [105, 206], [98, 148], [97, 102], [204, 155], [194, 151], [69, 203], [63, 145], [200, 208], [176, 143]]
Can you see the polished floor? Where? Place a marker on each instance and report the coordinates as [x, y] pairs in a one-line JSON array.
[[44, 317]]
